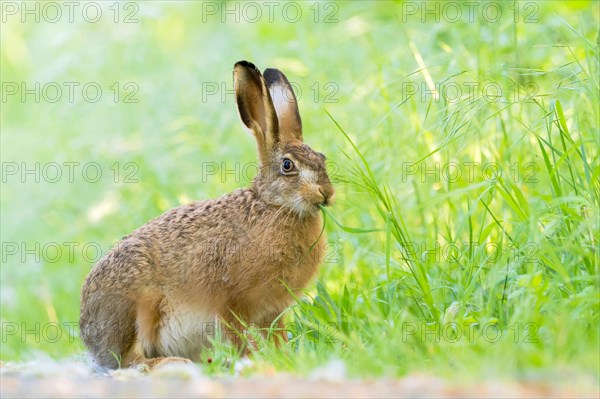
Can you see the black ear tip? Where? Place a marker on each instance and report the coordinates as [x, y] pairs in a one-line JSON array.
[[246, 64], [272, 72], [273, 75]]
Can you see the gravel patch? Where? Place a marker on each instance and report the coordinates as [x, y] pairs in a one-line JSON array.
[[77, 380]]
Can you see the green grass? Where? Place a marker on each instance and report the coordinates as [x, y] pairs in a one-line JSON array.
[[401, 290]]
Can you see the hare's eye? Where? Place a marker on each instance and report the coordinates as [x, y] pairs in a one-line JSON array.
[[287, 165]]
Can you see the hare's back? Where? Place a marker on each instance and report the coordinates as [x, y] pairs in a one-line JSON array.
[[191, 244]]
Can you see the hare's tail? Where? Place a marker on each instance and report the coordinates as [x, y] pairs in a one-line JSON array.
[[108, 327]]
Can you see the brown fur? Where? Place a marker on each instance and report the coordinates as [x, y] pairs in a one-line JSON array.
[[228, 259]]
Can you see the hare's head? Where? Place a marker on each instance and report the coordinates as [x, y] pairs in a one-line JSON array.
[[292, 175]]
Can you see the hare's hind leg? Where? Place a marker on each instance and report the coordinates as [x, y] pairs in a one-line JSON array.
[[145, 347]]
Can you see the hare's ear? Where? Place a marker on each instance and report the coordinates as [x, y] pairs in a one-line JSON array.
[[255, 107], [286, 106]]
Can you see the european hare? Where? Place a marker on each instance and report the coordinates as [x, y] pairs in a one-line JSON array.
[[156, 296]]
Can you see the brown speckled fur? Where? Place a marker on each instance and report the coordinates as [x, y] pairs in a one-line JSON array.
[[225, 259]]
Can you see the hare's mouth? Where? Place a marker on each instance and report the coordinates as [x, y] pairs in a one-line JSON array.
[[315, 207], [310, 199]]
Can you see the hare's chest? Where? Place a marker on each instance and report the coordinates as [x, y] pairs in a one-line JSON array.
[[290, 269], [299, 270]]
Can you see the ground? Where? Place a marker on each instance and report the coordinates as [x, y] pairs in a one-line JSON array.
[[36, 380]]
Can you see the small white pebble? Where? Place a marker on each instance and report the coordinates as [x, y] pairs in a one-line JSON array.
[[334, 370], [242, 365]]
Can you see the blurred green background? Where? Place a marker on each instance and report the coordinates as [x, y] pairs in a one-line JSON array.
[[417, 87]]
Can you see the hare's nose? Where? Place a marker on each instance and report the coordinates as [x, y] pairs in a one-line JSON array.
[[328, 195]]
